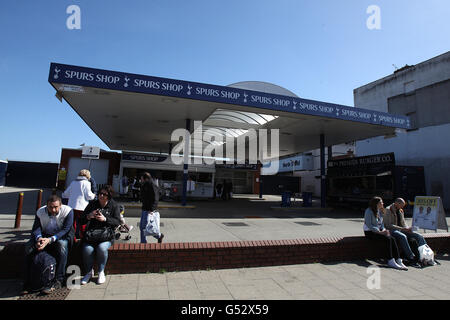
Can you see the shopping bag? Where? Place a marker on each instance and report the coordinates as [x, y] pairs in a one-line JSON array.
[[426, 255], [152, 228]]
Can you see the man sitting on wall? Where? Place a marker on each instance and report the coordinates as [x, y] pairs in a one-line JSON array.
[[394, 221], [53, 232]]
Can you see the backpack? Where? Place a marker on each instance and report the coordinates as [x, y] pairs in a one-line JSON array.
[[42, 271]]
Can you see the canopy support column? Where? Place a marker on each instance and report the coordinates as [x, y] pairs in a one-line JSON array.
[[323, 185], [187, 152]]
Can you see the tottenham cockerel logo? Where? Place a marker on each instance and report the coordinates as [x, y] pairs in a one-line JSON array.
[[57, 71]]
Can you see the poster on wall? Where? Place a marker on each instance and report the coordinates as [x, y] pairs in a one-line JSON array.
[[429, 213]]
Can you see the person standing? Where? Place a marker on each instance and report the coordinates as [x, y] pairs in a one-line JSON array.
[[149, 198], [135, 186], [230, 189], [79, 194], [124, 185], [219, 190], [93, 185], [225, 190]]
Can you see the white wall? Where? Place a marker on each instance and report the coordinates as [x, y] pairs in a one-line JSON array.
[[423, 147], [426, 146], [374, 96], [99, 169]]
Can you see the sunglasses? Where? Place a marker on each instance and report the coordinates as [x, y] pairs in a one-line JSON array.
[[103, 194]]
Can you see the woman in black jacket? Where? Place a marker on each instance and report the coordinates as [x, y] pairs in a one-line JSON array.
[[99, 214], [149, 198]]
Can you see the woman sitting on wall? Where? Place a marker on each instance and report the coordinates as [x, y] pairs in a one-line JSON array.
[[374, 229], [102, 217]]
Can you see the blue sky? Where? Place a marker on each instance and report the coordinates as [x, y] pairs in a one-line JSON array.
[[320, 50]]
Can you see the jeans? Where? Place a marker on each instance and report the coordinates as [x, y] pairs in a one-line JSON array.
[[100, 250], [402, 240], [143, 224], [389, 243], [59, 250]]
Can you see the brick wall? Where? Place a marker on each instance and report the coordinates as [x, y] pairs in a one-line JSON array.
[[153, 257], [141, 258]]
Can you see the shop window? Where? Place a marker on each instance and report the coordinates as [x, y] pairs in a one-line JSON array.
[[204, 177]]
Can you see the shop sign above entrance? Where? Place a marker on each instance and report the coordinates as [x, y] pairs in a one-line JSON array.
[[142, 157], [104, 79], [386, 158]]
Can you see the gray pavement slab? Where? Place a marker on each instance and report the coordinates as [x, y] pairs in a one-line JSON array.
[[292, 282], [210, 221], [295, 282]]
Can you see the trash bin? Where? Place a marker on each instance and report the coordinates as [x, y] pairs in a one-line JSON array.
[[307, 199], [286, 199]]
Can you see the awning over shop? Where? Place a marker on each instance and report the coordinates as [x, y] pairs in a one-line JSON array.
[[137, 112]]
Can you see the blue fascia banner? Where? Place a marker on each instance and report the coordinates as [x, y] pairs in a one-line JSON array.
[[104, 79]]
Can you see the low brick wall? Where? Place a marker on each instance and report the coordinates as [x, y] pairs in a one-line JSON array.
[[139, 258], [154, 257]]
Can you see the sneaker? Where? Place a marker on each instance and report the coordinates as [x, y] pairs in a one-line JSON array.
[[101, 277], [415, 264], [161, 238], [393, 264], [432, 263], [24, 291], [400, 263], [87, 277], [54, 287]]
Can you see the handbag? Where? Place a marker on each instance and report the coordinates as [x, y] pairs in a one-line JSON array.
[[152, 228], [94, 236]]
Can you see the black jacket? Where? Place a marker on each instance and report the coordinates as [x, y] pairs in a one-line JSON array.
[[149, 195], [111, 212]]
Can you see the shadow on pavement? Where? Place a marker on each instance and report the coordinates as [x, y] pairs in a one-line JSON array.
[[10, 288], [242, 208], [14, 236], [360, 263]]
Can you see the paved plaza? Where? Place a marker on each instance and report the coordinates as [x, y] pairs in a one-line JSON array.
[[320, 281], [257, 220]]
